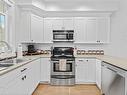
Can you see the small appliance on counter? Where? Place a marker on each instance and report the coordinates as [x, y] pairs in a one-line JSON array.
[[31, 49]]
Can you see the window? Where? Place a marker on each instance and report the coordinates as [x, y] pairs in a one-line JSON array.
[[2, 20], [2, 27]]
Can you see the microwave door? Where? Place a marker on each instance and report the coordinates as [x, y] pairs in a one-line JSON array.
[[60, 37]]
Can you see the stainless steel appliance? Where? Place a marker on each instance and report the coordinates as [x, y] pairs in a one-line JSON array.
[[113, 80], [63, 35], [59, 76]]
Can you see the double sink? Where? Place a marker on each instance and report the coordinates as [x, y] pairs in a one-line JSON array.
[[10, 62]]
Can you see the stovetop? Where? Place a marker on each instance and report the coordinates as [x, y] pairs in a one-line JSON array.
[[62, 57]]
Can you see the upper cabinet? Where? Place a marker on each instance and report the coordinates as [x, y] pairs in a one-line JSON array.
[[31, 28], [92, 29], [63, 24], [86, 29], [36, 28], [48, 33]]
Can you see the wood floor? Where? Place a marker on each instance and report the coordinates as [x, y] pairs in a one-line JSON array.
[[67, 90]]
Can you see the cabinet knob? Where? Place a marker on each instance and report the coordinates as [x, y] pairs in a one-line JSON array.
[[87, 60], [22, 78], [80, 60]]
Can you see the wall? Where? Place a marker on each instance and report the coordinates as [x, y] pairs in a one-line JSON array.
[[118, 46]]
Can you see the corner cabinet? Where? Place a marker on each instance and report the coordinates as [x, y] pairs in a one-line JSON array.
[[31, 28], [92, 29], [85, 71]]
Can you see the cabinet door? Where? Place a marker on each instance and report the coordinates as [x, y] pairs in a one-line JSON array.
[[36, 28], [91, 75], [15, 87], [33, 76], [45, 70], [48, 32], [57, 24], [98, 73], [23, 35], [68, 23], [103, 29], [91, 30], [80, 30], [81, 71]]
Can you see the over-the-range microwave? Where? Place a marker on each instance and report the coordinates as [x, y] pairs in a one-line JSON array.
[[63, 35]]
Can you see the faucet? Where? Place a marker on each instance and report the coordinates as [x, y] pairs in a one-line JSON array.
[[8, 46]]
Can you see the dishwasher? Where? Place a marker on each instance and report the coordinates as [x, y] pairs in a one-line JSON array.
[[113, 80]]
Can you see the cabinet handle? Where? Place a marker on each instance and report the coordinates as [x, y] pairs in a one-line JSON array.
[[80, 60], [23, 69], [25, 77]]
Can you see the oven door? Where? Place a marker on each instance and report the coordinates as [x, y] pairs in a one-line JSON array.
[[55, 70]]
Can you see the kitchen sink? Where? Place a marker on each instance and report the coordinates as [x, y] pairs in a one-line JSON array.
[[10, 62], [13, 61], [6, 65]]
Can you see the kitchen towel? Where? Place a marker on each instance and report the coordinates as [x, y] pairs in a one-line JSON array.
[[62, 64]]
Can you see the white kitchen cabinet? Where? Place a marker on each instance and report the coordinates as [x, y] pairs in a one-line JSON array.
[[98, 73], [68, 23], [85, 70], [23, 35], [57, 24], [31, 28], [33, 75], [48, 32], [62, 24], [36, 28], [92, 29], [21, 81], [45, 70], [15, 87], [80, 30], [81, 70], [103, 33], [91, 75]]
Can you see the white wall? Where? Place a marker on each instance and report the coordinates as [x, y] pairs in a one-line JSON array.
[[118, 46]]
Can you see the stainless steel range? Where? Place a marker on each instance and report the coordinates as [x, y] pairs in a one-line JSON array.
[[62, 66]]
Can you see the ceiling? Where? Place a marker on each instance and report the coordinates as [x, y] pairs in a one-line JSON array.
[[76, 0]]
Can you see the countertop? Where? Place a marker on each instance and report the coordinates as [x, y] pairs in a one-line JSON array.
[[118, 62]]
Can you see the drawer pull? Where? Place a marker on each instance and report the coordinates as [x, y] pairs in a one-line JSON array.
[[80, 60], [23, 69]]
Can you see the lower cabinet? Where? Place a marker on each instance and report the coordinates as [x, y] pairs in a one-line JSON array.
[[25, 83], [98, 73], [45, 70], [85, 70]]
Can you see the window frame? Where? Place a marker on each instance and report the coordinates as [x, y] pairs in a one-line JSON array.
[[6, 26]]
